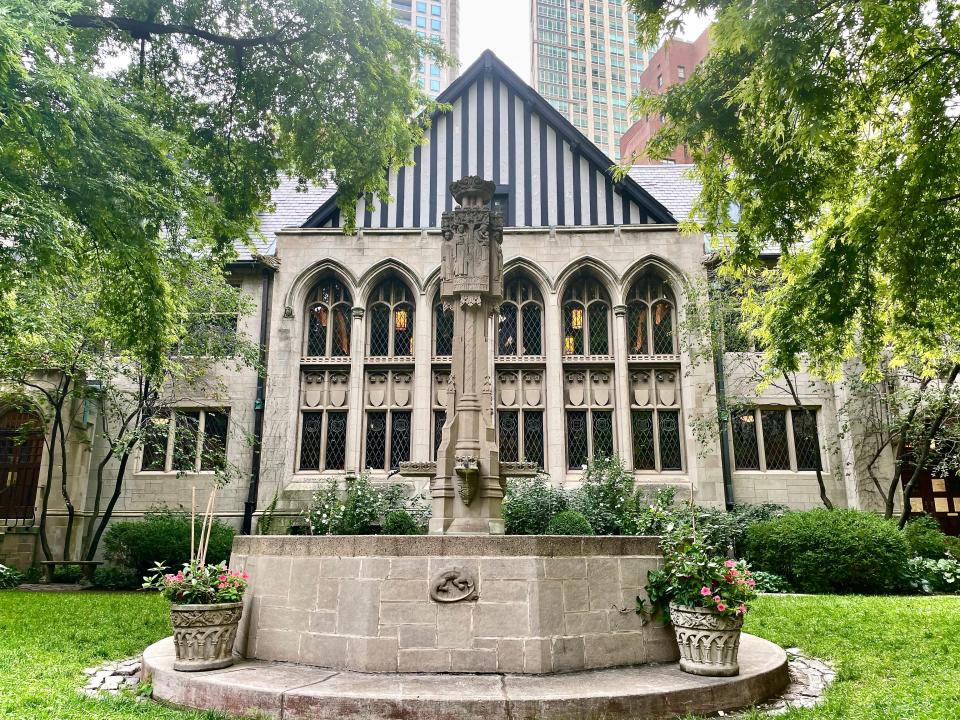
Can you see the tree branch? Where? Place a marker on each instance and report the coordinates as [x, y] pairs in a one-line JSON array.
[[143, 29]]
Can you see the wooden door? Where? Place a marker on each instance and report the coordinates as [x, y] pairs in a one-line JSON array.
[[20, 455]]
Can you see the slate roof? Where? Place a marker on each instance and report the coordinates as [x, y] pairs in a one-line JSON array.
[[670, 184]]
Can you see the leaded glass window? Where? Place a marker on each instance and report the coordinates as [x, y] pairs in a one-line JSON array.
[[443, 330], [388, 398], [650, 317], [520, 322], [391, 310], [586, 318], [328, 320], [776, 439], [746, 451], [323, 433], [187, 441], [439, 420], [775, 447], [589, 406], [805, 439], [520, 403], [655, 419]]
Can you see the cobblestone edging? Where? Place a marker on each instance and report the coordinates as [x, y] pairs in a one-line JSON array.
[[809, 680], [112, 677]]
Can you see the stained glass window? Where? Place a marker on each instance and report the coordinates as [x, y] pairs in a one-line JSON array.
[[602, 434], [644, 457], [586, 320], [391, 322], [328, 320], [650, 321], [599, 340], [439, 420], [775, 446], [573, 329], [520, 323], [507, 330], [806, 442], [745, 450], [380, 330], [532, 329]]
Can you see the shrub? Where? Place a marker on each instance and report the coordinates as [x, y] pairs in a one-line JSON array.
[[830, 551], [952, 544], [530, 503], [9, 577], [924, 538], [162, 537], [934, 576], [116, 578], [606, 497], [362, 508], [770, 583], [569, 522], [400, 522], [68, 574]]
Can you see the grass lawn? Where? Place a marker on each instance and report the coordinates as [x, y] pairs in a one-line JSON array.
[[897, 658]]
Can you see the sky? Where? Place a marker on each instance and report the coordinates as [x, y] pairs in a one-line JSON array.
[[504, 27]]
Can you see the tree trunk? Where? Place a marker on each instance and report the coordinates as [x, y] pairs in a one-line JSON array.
[[108, 512], [42, 526], [64, 491], [891, 497], [824, 498]]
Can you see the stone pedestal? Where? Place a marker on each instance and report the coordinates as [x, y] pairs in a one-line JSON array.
[[509, 604]]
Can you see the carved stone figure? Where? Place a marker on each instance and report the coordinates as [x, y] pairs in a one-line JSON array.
[[453, 585]]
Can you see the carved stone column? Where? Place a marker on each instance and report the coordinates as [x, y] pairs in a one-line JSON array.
[[358, 348], [467, 491], [622, 386]]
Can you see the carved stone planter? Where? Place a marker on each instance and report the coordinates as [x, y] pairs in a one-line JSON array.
[[203, 635], [708, 641]]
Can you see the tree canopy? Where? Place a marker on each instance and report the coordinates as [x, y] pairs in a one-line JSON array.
[[833, 126], [134, 130]]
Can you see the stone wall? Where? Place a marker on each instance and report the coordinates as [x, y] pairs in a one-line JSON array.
[[363, 603]]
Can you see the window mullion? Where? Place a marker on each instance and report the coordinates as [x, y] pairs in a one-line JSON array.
[[656, 440], [323, 438], [201, 432], [171, 439], [388, 437], [791, 446], [761, 450]]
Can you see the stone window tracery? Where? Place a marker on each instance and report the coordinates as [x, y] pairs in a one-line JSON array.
[[442, 329], [328, 320], [520, 409], [520, 321], [776, 439], [388, 402], [651, 313], [390, 320], [324, 398], [586, 318]]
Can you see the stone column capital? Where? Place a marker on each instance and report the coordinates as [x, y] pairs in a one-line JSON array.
[[358, 312], [619, 310]]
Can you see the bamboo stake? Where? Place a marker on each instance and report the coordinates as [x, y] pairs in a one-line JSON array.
[[209, 524], [193, 522], [201, 555]]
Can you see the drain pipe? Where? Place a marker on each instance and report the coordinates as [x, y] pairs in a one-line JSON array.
[[720, 379], [269, 265]]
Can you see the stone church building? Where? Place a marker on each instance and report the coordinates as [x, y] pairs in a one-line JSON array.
[[587, 356]]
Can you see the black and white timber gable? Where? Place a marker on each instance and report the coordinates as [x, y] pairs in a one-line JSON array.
[[547, 172]]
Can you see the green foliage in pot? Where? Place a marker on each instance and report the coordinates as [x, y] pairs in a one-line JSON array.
[[924, 538], [696, 574], [569, 522], [530, 503], [819, 551]]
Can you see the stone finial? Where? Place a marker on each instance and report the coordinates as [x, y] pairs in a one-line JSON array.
[[472, 191]]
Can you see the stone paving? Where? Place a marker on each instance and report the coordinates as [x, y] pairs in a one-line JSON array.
[[809, 680], [112, 677]]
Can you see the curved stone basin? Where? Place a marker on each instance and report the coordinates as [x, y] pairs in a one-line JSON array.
[[527, 604]]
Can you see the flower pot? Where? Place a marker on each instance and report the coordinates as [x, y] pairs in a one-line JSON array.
[[708, 641], [203, 635]]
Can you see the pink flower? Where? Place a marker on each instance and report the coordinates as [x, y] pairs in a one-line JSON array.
[[222, 578], [733, 573], [721, 607], [742, 610], [245, 576], [704, 591], [716, 599], [752, 583], [731, 563]]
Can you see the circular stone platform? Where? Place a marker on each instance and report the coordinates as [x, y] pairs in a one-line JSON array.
[[287, 691]]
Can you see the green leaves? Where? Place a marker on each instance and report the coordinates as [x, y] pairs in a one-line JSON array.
[[832, 128]]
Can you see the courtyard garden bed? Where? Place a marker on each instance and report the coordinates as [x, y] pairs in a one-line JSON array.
[[895, 656]]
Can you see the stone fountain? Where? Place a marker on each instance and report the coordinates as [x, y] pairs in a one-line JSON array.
[[465, 620]]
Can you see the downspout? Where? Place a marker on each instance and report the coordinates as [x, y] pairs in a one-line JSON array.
[[253, 490], [720, 375]]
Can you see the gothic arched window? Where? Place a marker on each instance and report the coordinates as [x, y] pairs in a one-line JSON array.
[[390, 320], [650, 318], [520, 326], [328, 320], [586, 318], [442, 329]]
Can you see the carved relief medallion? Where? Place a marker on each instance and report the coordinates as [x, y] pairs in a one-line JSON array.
[[453, 585]]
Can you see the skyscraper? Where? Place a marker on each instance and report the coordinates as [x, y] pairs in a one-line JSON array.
[[438, 20], [587, 64]]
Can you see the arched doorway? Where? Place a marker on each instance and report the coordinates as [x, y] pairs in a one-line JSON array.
[[21, 449]]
